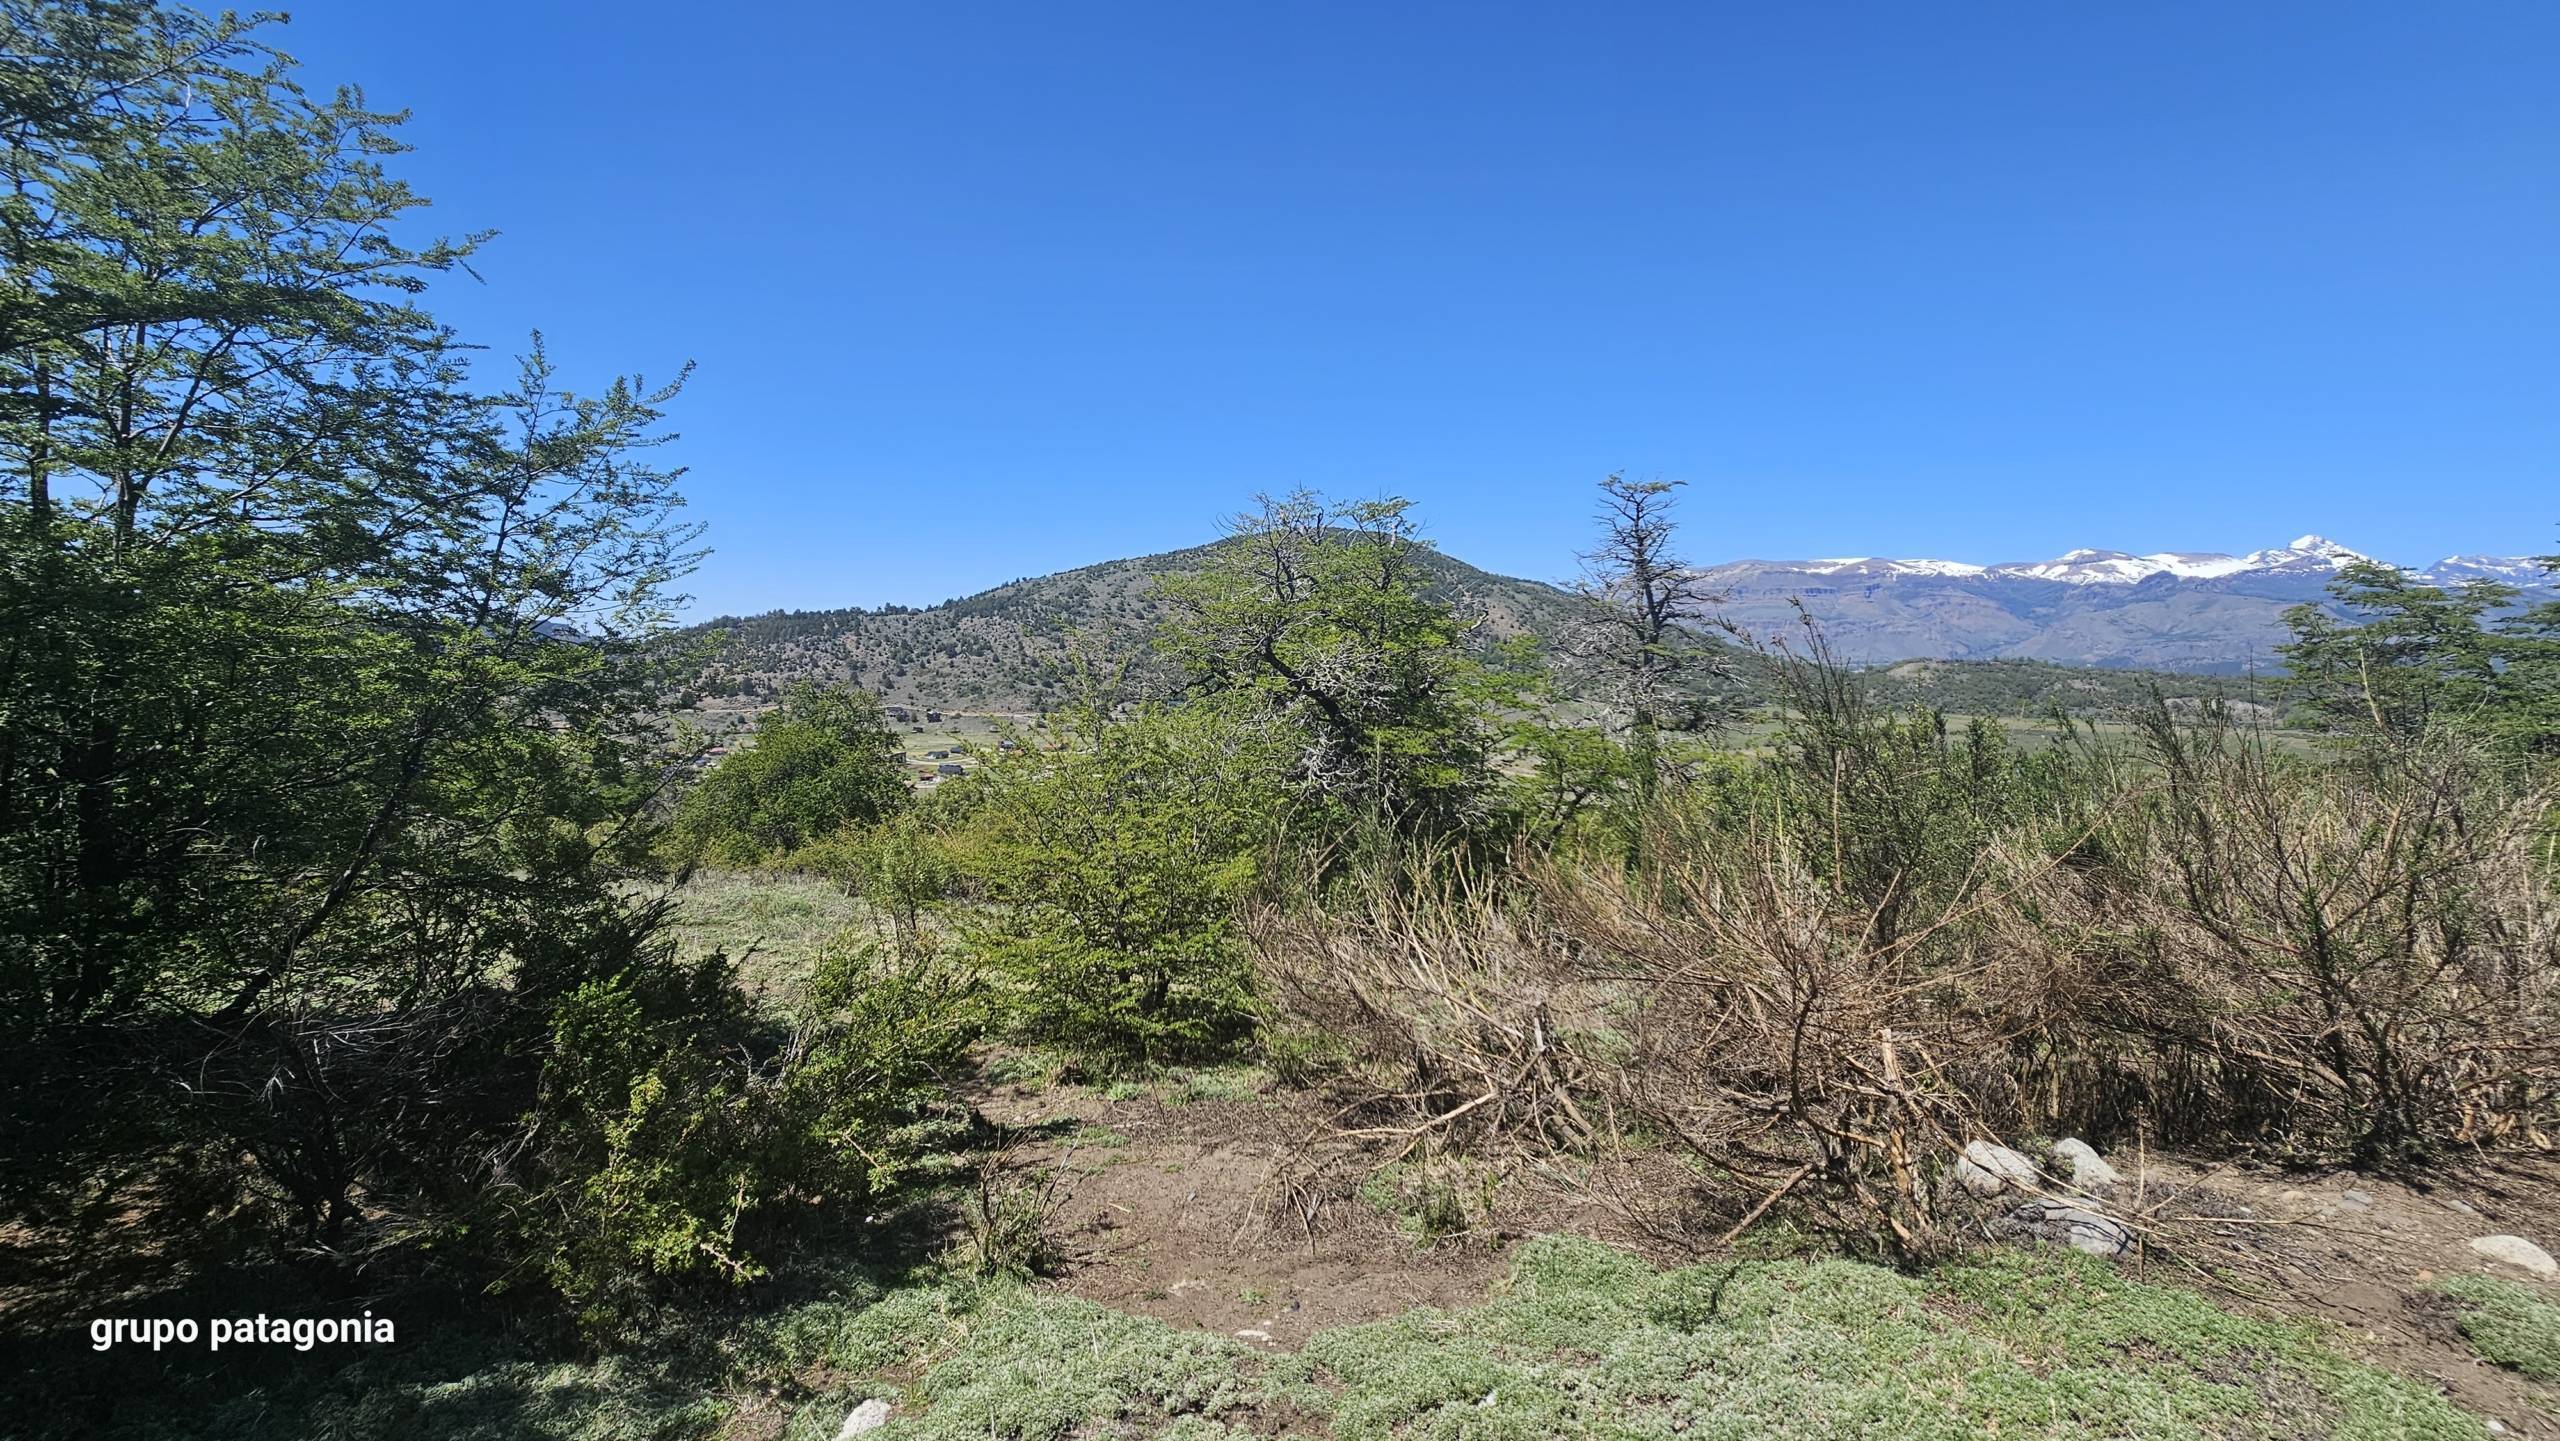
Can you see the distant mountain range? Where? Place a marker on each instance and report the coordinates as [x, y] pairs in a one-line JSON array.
[[2176, 610], [1007, 649]]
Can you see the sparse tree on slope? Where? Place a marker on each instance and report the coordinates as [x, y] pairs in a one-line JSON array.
[[1638, 644], [1322, 616]]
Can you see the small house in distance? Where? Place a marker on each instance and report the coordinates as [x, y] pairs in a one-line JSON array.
[[896, 713], [933, 715]]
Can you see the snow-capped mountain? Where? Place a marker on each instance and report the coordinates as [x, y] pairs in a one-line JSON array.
[[2308, 554], [2513, 570], [2194, 610]]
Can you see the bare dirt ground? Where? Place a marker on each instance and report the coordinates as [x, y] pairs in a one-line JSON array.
[[1174, 1209], [1194, 1211], [2361, 1252]]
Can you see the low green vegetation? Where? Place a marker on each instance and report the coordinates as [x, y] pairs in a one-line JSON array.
[[1586, 1341], [2509, 1324], [823, 759]]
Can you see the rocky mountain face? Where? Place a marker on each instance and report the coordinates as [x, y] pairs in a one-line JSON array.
[[2176, 610]]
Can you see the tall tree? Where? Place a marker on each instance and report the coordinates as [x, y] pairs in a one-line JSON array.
[[1323, 616], [1639, 643], [325, 694], [2394, 657]]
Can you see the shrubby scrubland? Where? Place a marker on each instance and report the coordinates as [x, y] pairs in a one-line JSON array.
[[344, 826]]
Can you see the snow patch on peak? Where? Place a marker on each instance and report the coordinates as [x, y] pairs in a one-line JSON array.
[[2310, 552], [2307, 555], [1874, 565]]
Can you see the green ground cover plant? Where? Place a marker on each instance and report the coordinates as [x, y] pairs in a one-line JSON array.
[[2509, 1323]]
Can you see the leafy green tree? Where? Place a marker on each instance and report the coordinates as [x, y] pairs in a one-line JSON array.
[[1322, 617], [824, 759], [328, 746], [2405, 657]]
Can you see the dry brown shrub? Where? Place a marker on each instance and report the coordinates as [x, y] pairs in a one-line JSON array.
[[2342, 962], [2356, 961]]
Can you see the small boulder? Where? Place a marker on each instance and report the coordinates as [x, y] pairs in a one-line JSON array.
[[2518, 1252], [870, 1416], [1987, 1170], [2056, 1224], [2089, 1170]]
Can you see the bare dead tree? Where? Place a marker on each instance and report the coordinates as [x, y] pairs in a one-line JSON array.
[[1640, 642]]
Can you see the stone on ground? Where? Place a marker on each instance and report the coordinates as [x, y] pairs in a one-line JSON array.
[[1987, 1170], [871, 1415], [2089, 1170], [2518, 1252], [2057, 1224]]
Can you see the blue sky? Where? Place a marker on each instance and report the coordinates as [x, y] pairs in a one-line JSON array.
[[994, 289]]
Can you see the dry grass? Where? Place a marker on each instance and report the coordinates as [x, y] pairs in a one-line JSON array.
[[2351, 963]]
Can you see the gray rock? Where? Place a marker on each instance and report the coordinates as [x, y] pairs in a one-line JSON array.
[[2089, 1170], [1987, 1170], [870, 1416], [2518, 1252], [2056, 1224]]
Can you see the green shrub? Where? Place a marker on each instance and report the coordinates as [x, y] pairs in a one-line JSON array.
[[666, 1131], [902, 867], [1109, 874], [822, 760]]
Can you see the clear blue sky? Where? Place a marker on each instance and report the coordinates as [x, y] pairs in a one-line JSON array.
[[989, 289]]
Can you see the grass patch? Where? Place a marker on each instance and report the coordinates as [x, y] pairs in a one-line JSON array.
[[1006, 1361], [1587, 1341], [1220, 1083], [777, 920], [1582, 1340], [2509, 1324]]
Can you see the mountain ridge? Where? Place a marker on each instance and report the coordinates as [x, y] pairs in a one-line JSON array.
[[2193, 611], [1011, 647]]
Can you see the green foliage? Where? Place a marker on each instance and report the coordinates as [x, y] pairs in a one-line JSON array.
[[1108, 874], [329, 703], [822, 760], [1037, 1368], [2413, 656], [1582, 1341], [2509, 1324], [1009, 1220], [664, 1132], [902, 868], [1891, 807], [1587, 1341], [1323, 619]]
